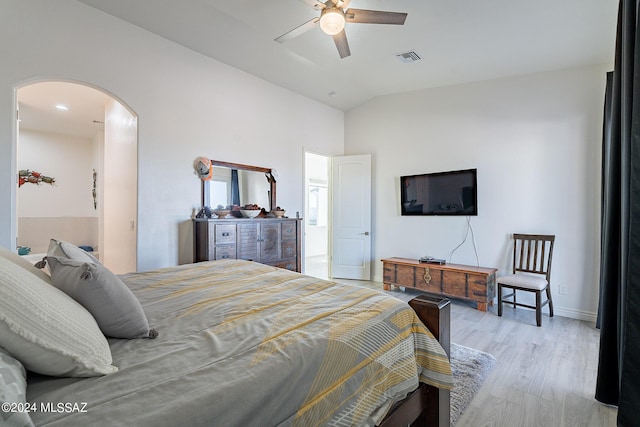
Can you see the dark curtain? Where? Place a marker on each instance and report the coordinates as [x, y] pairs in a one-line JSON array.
[[618, 381], [235, 188]]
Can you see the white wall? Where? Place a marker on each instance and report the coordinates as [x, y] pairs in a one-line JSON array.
[[535, 141], [62, 210], [187, 105], [538, 134], [68, 159]]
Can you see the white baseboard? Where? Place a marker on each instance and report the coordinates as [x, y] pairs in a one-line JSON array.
[[575, 314], [571, 313]]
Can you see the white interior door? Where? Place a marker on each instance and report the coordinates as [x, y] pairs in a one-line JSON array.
[[351, 219], [120, 189]]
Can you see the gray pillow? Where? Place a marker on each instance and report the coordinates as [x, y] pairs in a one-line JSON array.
[[116, 310], [60, 248], [13, 390]]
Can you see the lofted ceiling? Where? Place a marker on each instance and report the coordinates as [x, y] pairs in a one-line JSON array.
[[459, 41]]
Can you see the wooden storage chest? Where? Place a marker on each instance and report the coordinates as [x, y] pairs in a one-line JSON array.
[[476, 284]]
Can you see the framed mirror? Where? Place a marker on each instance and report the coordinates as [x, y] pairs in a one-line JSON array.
[[237, 184]]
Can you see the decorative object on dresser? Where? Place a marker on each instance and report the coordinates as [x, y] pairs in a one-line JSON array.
[[278, 212], [251, 211], [467, 282], [221, 211], [532, 255], [272, 241]]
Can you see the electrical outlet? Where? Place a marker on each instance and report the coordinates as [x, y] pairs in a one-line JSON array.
[[562, 290]]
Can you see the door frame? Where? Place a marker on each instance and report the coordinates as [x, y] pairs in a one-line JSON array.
[[305, 207], [14, 155]]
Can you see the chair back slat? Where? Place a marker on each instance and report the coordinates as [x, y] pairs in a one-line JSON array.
[[532, 253]]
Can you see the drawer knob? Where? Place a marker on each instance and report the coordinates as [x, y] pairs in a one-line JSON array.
[[226, 233], [427, 276]]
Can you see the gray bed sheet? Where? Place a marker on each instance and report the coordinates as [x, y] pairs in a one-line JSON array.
[[245, 344]]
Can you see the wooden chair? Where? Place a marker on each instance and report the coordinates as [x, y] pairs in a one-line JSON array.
[[532, 255]]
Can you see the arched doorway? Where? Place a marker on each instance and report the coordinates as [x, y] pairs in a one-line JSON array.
[[77, 160]]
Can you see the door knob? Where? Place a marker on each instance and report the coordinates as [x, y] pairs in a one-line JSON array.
[[366, 233]]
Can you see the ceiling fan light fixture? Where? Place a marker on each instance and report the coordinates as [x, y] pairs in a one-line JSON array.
[[332, 21]]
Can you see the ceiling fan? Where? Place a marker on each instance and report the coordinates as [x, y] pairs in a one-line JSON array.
[[333, 17]]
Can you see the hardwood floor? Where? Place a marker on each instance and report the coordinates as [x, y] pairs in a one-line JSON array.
[[543, 376]]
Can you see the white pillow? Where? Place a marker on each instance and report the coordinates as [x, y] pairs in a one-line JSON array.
[[13, 390], [18, 260], [46, 330]]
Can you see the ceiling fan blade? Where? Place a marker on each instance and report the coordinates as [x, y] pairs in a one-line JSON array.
[[341, 43], [318, 5], [309, 25], [363, 16]]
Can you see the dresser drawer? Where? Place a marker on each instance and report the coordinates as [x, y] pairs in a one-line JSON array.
[[289, 249], [225, 252], [225, 233], [289, 231]]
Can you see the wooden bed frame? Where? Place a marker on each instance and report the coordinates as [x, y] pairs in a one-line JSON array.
[[427, 406]]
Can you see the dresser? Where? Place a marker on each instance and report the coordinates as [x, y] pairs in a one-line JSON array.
[[272, 241], [477, 284]]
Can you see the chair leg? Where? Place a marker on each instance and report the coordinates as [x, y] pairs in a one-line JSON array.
[[499, 299], [514, 299], [539, 308], [550, 301]]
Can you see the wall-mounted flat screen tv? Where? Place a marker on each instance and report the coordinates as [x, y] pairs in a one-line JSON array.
[[441, 193]]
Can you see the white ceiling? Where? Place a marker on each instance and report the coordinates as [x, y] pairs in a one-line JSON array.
[[86, 106], [460, 41]]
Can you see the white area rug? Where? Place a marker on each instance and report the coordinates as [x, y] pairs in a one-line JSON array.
[[470, 368]]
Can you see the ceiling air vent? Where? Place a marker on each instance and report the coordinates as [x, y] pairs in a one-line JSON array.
[[411, 56]]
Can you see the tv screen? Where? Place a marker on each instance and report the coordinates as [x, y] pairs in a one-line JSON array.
[[441, 193]]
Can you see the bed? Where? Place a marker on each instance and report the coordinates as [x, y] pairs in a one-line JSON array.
[[246, 344]]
